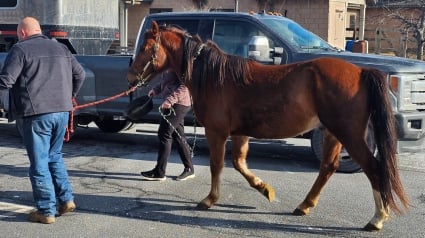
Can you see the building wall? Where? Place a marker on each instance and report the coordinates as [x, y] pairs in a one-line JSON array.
[[326, 18], [312, 15], [386, 35], [336, 27]]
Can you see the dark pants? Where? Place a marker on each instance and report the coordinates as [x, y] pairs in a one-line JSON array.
[[167, 135]]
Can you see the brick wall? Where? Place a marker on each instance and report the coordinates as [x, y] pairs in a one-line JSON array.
[[385, 34], [312, 15]]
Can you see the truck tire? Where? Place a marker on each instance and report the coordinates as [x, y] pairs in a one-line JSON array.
[[113, 126], [346, 164]]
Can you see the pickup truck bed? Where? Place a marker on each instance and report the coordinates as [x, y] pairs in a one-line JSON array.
[[105, 77]]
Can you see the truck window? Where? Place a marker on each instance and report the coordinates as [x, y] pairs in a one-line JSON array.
[[194, 27], [190, 26], [233, 36], [6, 42], [8, 3], [205, 29], [296, 36]]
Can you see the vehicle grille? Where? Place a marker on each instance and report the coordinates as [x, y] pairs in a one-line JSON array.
[[411, 95]]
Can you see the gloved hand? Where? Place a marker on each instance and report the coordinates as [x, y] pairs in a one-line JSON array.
[[151, 93]]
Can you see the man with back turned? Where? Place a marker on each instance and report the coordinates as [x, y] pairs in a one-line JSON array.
[[41, 77]]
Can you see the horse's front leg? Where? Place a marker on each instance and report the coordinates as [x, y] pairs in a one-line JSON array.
[[328, 166], [216, 143], [240, 146]]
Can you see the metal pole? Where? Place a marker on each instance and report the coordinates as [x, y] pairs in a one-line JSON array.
[[362, 21], [123, 24], [236, 5]]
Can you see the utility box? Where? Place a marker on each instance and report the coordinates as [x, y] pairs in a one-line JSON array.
[[360, 46]]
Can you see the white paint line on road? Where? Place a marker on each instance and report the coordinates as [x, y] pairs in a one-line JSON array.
[[11, 209]]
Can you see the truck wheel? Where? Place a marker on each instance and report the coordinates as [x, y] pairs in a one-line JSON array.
[[346, 164], [113, 126]]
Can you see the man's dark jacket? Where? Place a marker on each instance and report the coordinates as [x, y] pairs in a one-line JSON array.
[[42, 76]]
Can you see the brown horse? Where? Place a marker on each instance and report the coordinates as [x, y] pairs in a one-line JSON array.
[[241, 98]]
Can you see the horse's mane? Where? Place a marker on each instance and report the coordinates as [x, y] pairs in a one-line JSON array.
[[210, 66]]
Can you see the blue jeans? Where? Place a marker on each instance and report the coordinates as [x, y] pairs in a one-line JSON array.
[[43, 137]]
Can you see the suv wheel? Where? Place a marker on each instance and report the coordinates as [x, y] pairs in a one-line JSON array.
[[113, 126], [346, 164]]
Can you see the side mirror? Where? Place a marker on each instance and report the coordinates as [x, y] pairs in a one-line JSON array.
[[259, 50]]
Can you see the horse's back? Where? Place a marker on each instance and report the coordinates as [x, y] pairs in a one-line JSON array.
[[288, 100]]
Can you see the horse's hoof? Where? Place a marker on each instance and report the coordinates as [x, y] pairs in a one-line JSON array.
[[202, 206], [371, 227], [299, 212], [269, 192]]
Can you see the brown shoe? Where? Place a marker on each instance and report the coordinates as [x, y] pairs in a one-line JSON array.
[[35, 216], [66, 207]]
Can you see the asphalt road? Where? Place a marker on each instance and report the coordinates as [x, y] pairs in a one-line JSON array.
[[114, 201]]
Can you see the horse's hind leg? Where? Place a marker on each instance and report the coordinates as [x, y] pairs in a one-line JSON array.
[[362, 155], [331, 150], [240, 145], [216, 143]]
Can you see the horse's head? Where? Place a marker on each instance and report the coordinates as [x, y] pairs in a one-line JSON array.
[[153, 57]]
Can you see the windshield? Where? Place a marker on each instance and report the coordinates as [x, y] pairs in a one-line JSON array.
[[296, 35]]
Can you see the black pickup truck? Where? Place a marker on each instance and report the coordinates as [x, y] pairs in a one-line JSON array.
[[274, 39], [105, 77]]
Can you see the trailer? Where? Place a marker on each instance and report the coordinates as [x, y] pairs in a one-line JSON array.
[[89, 28], [74, 23]]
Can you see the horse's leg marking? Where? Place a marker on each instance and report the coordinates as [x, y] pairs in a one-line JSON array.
[[240, 147]]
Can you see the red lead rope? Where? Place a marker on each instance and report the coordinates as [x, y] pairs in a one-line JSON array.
[[70, 128]]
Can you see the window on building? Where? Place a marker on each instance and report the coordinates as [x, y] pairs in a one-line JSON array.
[[222, 10], [8, 3], [352, 25], [158, 10]]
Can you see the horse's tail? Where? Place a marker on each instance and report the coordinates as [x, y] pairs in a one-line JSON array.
[[385, 135]]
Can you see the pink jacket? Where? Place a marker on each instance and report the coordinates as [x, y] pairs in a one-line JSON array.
[[173, 90]]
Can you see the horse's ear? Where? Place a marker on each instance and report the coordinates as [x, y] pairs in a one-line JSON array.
[[155, 28]]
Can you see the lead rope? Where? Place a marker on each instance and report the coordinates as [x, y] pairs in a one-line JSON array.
[[70, 127]]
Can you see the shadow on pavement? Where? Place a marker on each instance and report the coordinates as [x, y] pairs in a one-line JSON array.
[[183, 213]]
